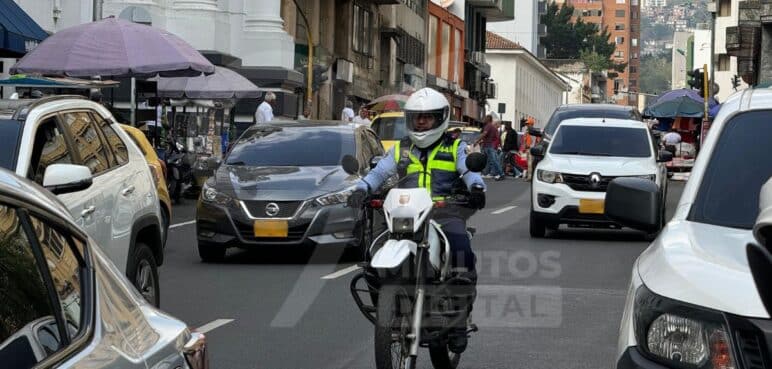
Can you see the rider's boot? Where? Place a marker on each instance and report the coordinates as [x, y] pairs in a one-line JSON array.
[[465, 285]]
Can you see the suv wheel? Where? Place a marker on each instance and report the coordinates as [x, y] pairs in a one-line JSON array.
[[210, 253], [537, 228], [143, 273]]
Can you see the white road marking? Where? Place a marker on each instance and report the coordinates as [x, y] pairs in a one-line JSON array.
[[182, 224], [502, 210], [213, 325], [342, 272]]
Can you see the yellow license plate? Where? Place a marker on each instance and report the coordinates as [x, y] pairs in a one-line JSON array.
[[271, 228], [587, 206]]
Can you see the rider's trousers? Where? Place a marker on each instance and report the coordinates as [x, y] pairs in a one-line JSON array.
[[460, 245]]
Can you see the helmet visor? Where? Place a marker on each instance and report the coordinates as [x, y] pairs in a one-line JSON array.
[[426, 120]]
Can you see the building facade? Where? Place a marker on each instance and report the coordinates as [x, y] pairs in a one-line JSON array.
[[681, 45], [735, 54], [622, 19], [526, 86]]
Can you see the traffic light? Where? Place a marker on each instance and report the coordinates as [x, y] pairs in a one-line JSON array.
[[735, 82], [696, 80]]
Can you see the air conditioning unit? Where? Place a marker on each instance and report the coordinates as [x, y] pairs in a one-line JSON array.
[[344, 70]]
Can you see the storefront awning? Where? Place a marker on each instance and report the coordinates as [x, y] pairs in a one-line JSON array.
[[18, 32]]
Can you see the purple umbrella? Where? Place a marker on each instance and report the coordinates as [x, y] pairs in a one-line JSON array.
[[223, 84], [679, 103], [113, 47]]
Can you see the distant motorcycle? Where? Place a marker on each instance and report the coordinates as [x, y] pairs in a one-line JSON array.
[[179, 170]]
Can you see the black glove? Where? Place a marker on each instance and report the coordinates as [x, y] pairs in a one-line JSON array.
[[356, 199], [477, 197]]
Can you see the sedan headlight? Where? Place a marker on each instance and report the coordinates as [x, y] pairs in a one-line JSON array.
[[211, 194], [680, 335], [339, 197], [549, 176]]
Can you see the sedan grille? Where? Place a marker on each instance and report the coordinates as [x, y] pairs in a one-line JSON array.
[[579, 182], [272, 209]]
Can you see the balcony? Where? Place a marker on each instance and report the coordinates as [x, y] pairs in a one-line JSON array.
[[541, 30], [495, 10]]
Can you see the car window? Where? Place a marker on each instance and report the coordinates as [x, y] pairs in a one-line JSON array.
[[560, 115], [10, 131], [64, 269], [49, 147], [292, 146], [601, 141], [93, 152], [26, 304], [114, 141], [391, 129], [738, 166]]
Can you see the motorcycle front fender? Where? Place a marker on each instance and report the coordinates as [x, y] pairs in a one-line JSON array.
[[393, 254]]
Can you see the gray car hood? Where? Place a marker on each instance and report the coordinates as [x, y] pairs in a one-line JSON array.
[[281, 183]]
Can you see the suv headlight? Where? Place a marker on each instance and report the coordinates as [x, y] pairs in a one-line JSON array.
[[210, 194], [549, 176], [681, 335], [339, 197]]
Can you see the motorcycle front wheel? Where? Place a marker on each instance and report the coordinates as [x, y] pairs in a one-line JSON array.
[[442, 358], [394, 313]]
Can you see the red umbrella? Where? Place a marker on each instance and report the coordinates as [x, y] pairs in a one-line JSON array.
[[394, 102]]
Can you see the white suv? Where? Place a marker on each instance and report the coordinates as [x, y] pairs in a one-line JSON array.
[[692, 301], [584, 155], [73, 147]]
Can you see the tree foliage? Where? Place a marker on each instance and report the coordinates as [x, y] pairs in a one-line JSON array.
[[655, 73]]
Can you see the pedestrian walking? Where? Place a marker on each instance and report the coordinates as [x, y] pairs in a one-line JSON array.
[[488, 139], [510, 149], [362, 117], [264, 112], [347, 115], [530, 141]]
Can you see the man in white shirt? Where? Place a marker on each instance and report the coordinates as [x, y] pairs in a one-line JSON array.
[[347, 115], [671, 139], [362, 118], [264, 113]]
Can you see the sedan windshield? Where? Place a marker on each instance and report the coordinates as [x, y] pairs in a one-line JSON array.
[[602, 141], [561, 115], [10, 131], [392, 128], [739, 166], [292, 146]]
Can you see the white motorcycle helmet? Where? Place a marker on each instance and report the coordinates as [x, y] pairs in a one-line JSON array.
[[431, 107]]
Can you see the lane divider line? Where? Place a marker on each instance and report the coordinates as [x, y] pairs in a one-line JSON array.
[[502, 210], [217, 323], [182, 224], [342, 272]]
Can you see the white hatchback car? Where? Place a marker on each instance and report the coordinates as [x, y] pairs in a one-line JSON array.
[[585, 154], [74, 148], [692, 300]]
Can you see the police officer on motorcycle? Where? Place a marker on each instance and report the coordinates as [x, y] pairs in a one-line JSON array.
[[433, 159]]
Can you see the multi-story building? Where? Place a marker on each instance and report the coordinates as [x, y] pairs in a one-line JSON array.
[[622, 19], [737, 47], [445, 53], [680, 64], [526, 86], [526, 29]]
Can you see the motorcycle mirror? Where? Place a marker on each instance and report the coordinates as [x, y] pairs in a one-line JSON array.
[[350, 164], [475, 162]]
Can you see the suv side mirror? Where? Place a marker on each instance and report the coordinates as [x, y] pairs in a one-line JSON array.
[[634, 203], [664, 156], [538, 150], [66, 178], [760, 253], [533, 131], [350, 164]]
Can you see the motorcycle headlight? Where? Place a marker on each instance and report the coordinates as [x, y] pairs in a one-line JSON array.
[[549, 176], [339, 197], [210, 194], [680, 335]]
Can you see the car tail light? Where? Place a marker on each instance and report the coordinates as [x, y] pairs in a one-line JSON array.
[[376, 204], [195, 351], [156, 175]]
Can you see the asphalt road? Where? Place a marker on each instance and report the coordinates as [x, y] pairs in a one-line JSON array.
[[548, 303]]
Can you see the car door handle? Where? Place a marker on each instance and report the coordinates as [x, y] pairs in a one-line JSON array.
[[128, 191], [88, 211]]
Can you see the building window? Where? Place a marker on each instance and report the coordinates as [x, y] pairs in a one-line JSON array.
[[416, 5], [620, 1], [635, 42], [633, 69], [724, 8], [620, 40], [362, 36], [634, 55], [445, 52], [459, 53], [619, 27], [634, 2], [633, 83], [620, 13], [617, 84], [619, 54], [633, 14], [431, 45], [723, 62]]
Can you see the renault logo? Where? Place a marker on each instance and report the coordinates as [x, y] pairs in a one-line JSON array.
[[272, 209], [595, 180]]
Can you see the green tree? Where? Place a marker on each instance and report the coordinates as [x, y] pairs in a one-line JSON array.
[[655, 73]]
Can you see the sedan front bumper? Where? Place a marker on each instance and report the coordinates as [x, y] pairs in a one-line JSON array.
[[633, 359], [312, 224]]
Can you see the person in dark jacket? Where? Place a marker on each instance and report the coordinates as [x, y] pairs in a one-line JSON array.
[[510, 148]]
